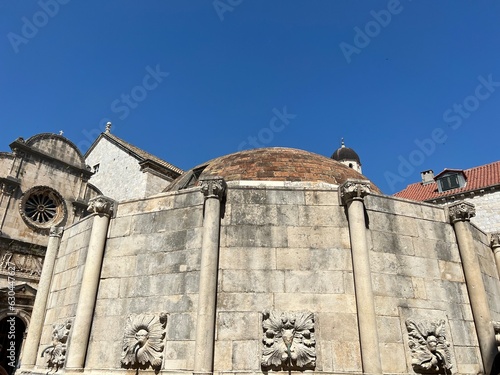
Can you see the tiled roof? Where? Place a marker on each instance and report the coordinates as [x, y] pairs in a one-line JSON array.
[[477, 178], [141, 153]]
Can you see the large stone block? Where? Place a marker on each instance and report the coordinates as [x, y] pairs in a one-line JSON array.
[[338, 327], [329, 216], [247, 258], [346, 356], [404, 265], [253, 281], [238, 326], [386, 242], [451, 271], [390, 351], [223, 356], [118, 266], [463, 333], [292, 197], [179, 355], [328, 259], [336, 303], [389, 329], [392, 286], [181, 326], [318, 237], [251, 214], [320, 198], [246, 355], [392, 223], [318, 282], [244, 301], [255, 236]]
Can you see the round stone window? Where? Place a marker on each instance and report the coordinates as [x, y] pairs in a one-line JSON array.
[[42, 207]]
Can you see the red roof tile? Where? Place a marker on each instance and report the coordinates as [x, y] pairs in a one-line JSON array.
[[477, 178]]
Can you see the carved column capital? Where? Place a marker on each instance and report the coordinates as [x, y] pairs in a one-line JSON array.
[[213, 187], [56, 232], [461, 211], [354, 190], [101, 205], [495, 241]]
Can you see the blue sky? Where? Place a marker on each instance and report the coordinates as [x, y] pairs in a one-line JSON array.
[[410, 85]]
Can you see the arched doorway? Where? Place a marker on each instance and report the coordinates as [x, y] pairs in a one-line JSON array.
[[12, 330]]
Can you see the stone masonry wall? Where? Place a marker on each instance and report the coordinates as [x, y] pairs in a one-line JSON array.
[[285, 250], [66, 281], [417, 274], [119, 176], [488, 270], [151, 265], [487, 211]]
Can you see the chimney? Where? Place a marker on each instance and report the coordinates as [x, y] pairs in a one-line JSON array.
[[427, 177]]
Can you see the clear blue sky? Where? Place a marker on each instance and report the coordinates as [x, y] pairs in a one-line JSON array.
[[192, 80]]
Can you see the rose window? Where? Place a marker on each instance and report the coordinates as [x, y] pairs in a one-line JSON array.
[[42, 207]]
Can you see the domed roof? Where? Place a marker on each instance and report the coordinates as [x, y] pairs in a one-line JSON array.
[[270, 164], [345, 153]]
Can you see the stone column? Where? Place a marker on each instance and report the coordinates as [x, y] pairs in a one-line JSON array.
[[213, 189], [460, 215], [495, 246], [103, 208], [38, 314], [352, 194]]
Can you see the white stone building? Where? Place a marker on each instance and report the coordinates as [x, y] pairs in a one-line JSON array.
[[479, 186], [115, 163]]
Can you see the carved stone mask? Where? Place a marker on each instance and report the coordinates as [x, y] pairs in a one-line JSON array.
[[142, 336]]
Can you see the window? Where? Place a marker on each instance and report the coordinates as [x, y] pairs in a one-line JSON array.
[[42, 207], [95, 168], [450, 181]]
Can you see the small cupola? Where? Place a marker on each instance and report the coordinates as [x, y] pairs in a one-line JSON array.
[[347, 156]]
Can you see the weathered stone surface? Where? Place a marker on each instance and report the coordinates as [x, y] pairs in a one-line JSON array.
[[258, 281], [238, 326], [247, 258], [346, 356], [340, 327], [255, 236], [246, 355], [318, 237], [342, 303], [390, 351], [319, 282], [330, 259]]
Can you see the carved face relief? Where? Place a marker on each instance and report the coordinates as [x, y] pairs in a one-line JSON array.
[[429, 348], [288, 339], [56, 353], [143, 341]]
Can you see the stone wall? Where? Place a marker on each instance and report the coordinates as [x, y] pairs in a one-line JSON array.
[[417, 274], [487, 211], [489, 271], [66, 280], [151, 265], [285, 250]]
